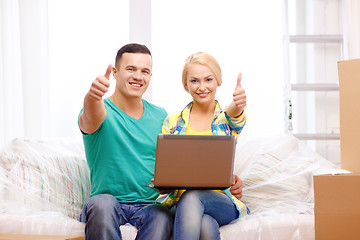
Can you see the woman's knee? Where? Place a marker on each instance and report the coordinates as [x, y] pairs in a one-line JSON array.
[[191, 196], [209, 228]]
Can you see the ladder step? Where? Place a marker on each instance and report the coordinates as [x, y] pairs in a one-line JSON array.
[[316, 38], [317, 136], [315, 87]]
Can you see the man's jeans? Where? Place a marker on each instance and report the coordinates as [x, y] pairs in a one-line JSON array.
[[103, 215], [199, 213]]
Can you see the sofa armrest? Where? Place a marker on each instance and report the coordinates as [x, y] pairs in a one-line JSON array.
[[50, 175]]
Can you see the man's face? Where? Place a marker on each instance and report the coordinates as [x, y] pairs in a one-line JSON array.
[[133, 74]]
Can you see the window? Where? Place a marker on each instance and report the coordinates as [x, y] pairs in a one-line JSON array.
[[315, 46], [84, 37]]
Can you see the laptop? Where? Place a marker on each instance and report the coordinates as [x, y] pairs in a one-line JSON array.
[[194, 161]]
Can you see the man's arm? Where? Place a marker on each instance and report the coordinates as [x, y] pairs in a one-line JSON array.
[[94, 108]]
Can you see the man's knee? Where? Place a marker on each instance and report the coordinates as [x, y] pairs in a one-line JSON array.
[[159, 217], [156, 223], [99, 206], [100, 213], [159, 212]]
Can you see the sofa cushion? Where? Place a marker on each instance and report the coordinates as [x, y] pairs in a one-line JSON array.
[[49, 175], [277, 174]]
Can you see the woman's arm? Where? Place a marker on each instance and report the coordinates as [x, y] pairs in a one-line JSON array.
[[237, 106], [236, 187]]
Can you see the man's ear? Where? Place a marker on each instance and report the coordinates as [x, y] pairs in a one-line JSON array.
[[114, 71]]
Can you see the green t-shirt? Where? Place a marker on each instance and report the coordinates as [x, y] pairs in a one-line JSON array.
[[121, 153]]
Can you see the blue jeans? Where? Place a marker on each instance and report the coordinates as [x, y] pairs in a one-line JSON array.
[[200, 213], [104, 215]]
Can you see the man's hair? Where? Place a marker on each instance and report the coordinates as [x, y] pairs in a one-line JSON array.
[[131, 48]]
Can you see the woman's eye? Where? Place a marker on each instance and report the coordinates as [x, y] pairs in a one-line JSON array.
[[209, 79], [193, 80]]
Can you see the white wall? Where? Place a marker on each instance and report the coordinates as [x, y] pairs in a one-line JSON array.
[[84, 37], [241, 35]]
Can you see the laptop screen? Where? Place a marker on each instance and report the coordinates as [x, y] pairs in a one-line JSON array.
[[194, 161]]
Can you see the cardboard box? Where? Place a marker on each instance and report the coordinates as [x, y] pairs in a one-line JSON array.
[[337, 197], [42, 237], [349, 93], [337, 206]]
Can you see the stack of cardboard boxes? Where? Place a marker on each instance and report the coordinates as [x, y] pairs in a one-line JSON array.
[[337, 197]]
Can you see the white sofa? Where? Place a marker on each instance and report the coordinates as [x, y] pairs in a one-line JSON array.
[[43, 184]]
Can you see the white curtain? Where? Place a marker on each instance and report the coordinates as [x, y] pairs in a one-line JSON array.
[[51, 51], [24, 69]]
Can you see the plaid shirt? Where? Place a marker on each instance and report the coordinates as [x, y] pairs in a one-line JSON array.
[[222, 124]]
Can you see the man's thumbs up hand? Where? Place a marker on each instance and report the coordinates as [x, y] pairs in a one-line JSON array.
[[100, 85], [108, 72]]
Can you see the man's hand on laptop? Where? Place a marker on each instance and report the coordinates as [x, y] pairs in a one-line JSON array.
[[162, 191], [236, 187]]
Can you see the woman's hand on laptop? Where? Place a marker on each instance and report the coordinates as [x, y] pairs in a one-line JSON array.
[[236, 187]]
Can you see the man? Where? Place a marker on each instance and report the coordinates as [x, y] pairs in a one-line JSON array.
[[119, 135]]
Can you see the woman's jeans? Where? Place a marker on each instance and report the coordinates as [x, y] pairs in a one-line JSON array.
[[103, 215], [199, 213]]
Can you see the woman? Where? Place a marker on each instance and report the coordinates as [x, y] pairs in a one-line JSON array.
[[200, 213]]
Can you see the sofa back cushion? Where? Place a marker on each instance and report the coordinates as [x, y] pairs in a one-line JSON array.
[[277, 171], [49, 175]]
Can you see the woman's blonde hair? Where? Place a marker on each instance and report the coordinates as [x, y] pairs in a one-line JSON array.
[[206, 60]]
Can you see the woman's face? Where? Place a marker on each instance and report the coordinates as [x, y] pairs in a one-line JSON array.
[[201, 84]]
